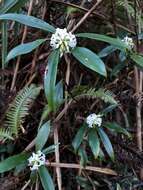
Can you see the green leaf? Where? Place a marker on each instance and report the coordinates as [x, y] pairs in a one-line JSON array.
[[138, 59], [79, 137], [108, 109], [29, 21], [50, 149], [59, 94], [24, 49], [89, 59], [50, 79], [106, 51], [83, 156], [13, 161], [12, 6], [46, 179], [117, 69], [94, 142], [100, 37], [106, 142], [19, 108], [43, 135], [117, 128]]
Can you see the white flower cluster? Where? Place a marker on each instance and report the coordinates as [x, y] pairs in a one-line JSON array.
[[93, 120], [129, 42], [63, 40], [36, 160]]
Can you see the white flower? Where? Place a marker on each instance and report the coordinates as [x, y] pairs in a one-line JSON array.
[[129, 42], [93, 120], [63, 40], [36, 160]]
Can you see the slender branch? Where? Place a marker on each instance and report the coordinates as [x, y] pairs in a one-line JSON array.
[[77, 166], [22, 41], [57, 157], [86, 15]]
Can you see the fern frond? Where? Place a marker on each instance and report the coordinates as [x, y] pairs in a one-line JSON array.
[[127, 6], [5, 134], [103, 94], [19, 108], [106, 95]]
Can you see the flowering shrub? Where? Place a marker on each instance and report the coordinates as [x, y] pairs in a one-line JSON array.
[[94, 131]]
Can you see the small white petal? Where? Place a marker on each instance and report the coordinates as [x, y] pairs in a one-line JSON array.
[[93, 120], [36, 160], [129, 42], [63, 40]]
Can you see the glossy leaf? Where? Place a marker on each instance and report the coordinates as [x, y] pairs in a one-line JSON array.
[[50, 79], [89, 59], [83, 156], [108, 109], [138, 59], [13, 161], [106, 142], [50, 149], [79, 137], [100, 37], [24, 49], [59, 94], [94, 142], [42, 135], [106, 51], [117, 128], [29, 21], [46, 179]]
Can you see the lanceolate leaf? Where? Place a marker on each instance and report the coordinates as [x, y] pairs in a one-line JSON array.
[[12, 6], [117, 128], [106, 142], [46, 179], [94, 142], [89, 59], [29, 21], [79, 137], [24, 49], [83, 156], [50, 79], [106, 51], [42, 136], [100, 37], [13, 161], [50, 149], [138, 59], [59, 94]]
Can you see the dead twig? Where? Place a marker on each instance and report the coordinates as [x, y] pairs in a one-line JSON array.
[[22, 41], [106, 171], [86, 16]]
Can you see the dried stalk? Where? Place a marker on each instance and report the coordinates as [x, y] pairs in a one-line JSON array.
[[86, 16], [57, 157], [106, 171], [22, 41]]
